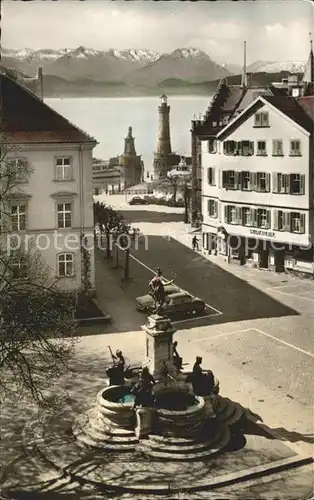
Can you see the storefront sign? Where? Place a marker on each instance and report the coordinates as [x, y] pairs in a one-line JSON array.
[[260, 232]]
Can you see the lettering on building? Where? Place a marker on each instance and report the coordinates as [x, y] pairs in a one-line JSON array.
[[260, 232]]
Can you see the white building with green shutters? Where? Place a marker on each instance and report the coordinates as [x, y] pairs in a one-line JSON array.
[[257, 186]]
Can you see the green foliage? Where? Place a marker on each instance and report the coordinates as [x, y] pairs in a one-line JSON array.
[[106, 216], [37, 326], [86, 267], [11, 73]]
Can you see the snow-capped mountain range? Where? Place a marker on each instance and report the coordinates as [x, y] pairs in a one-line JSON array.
[[80, 53], [132, 66]]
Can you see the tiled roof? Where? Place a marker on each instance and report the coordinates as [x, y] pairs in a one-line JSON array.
[[307, 104], [236, 100], [25, 118], [46, 136], [292, 108]]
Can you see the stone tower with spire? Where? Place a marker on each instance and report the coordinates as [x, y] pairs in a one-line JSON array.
[[164, 159], [308, 77], [132, 164]]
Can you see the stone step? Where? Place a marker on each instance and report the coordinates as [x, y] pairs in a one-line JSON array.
[[97, 422], [173, 440], [191, 455], [109, 438], [188, 447], [92, 443]]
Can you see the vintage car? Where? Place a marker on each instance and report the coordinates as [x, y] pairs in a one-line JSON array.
[[137, 200], [182, 303], [146, 303]]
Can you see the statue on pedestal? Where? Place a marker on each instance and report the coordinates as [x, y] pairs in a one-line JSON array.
[[116, 371], [157, 290]]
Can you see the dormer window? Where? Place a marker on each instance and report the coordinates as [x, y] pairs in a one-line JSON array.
[[261, 119]]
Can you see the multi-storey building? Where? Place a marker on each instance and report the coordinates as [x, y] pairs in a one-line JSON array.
[[52, 207], [227, 102], [257, 197]]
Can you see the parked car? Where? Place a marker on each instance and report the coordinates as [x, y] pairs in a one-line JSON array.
[[180, 203], [137, 200], [146, 303], [182, 303]]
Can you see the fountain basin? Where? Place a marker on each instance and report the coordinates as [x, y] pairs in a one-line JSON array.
[[179, 413], [115, 405]]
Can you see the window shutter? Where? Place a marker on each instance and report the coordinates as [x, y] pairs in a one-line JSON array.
[[268, 218], [242, 215], [287, 183], [209, 175], [276, 220], [224, 178], [213, 176], [252, 147], [275, 182], [267, 183], [216, 209], [287, 221], [236, 180], [302, 223], [225, 147], [239, 180], [254, 217], [253, 180], [302, 184], [226, 213], [257, 119], [238, 215]]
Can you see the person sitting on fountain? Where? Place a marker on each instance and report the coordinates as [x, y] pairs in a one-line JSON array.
[[157, 287], [143, 389], [177, 360], [203, 382]]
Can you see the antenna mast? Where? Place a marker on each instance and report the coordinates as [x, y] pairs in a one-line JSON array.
[[244, 75]]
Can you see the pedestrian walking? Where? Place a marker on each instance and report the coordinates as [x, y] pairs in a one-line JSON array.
[[195, 243]]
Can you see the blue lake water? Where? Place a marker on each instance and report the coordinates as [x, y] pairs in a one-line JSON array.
[[108, 119]]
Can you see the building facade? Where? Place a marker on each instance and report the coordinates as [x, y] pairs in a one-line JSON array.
[[257, 195], [120, 172], [51, 208], [106, 179], [227, 102]]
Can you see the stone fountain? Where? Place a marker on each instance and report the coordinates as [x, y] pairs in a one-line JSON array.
[[179, 426]]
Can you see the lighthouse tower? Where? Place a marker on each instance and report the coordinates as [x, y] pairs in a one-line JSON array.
[[163, 156]]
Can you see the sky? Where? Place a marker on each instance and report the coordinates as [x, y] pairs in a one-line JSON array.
[[274, 30]]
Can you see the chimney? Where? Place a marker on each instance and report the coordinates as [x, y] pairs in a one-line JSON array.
[[244, 75]]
